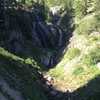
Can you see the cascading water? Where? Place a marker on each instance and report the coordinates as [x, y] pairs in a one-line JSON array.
[[35, 31], [27, 37]]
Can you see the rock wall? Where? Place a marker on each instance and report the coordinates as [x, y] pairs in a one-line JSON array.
[[25, 29]]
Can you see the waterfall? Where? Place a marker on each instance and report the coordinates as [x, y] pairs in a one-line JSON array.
[[57, 35]]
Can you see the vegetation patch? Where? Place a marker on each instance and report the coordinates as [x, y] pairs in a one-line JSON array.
[[78, 71], [93, 57]]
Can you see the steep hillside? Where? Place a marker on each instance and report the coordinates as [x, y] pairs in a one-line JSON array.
[[18, 79], [81, 61], [49, 49]]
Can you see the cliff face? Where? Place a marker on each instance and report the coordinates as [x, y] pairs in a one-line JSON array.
[[18, 80], [35, 37], [27, 34], [29, 40]]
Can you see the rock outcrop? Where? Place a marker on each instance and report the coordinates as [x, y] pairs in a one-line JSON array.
[[26, 32]]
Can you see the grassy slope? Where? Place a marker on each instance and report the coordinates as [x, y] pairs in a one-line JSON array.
[[79, 64], [19, 75]]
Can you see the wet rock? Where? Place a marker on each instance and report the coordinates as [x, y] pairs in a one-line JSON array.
[[59, 95], [47, 59]]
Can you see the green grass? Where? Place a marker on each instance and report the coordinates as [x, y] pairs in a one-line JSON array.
[[93, 57], [57, 72], [72, 53], [5, 53], [51, 3], [78, 71], [87, 25], [78, 66]]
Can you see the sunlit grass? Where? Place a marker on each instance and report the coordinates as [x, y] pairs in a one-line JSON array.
[[79, 64]]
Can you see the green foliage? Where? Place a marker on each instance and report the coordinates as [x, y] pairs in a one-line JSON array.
[[32, 62], [87, 25], [56, 2], [72, 53], [66, 21], [94, 38], [68, 4], [93, 57], [80, 7], [83, 8], [90, 6], [24, 68], [57, 72], [8, 55], [97, 6], [78, 71], [29, 61], [97, 16]]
